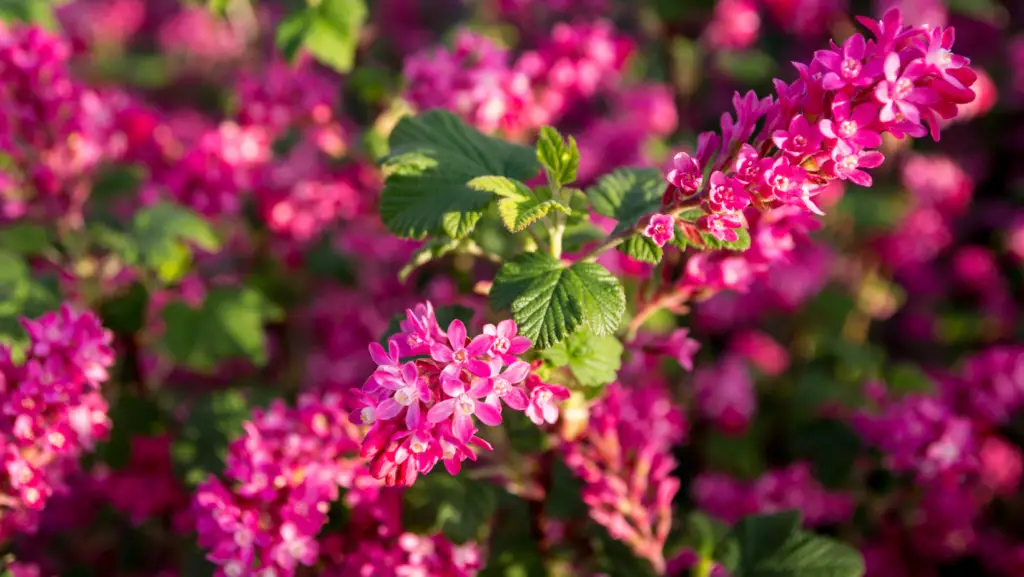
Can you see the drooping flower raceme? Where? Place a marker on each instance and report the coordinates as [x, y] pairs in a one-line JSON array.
[[825, 126], [426, 410]]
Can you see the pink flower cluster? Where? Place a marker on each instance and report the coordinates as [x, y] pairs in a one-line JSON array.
[[375, 543], [51, 411], [791, 487], [921, 435], [53, 130], [280, 478], [825, 126], [477, 80], [422, 411], [624, 461]]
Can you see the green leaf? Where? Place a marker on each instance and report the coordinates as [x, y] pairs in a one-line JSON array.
[[774, 546], [432, 249], [641, 248], [15, 283], [228, 325], [559, 158], [213, 421], [217, 6], [550, 301], [740, 244], [760, 536], [164, 234], [24, 238], [519, 206], [594, 360], [333, 33], [628, 194], [458, 506], [433, 157], [291, 32]]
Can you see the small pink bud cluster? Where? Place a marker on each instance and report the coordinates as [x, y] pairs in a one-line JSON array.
[[725, 394], [425, 410], [826, 126], [625, 463], [281, 96], [375, 543], [474, 80], [923, 436], [791, 487], [300, 198], [53, 130], [990, 387], [200, 39], [280, 478], [573, 63], [212, 176], [478, 81], [51, 411]]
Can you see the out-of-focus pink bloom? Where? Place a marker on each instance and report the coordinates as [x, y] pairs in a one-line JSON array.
[[735, 25], [725, 394]]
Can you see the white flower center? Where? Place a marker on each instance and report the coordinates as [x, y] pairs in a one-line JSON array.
[[544, 397], [368, 415], [405, 396], [501, 384], [847, 128], [903, 89], [460, 356], [501, 345], [851, 67], [465, 405]]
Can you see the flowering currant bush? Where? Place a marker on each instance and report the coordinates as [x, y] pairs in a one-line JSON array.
[[453, 289]]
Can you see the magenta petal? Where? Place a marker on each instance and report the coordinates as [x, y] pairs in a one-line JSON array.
[[453, 465], [488, 414], [462, 427], [480, 388], [413, 417], [441, 411], [388, 409], [519, 345], [871, 159], [457, 334], [440, 353], [378, 355], [860, 177], [516, 399], [480, 368], [826, 130], [479, 345], [507, 328], [892, 67], [550, 413], [516, 372], [453, 387], [409, 373]]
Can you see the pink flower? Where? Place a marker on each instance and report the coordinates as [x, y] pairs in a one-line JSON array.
[[409, 391], [847, 162], [464, 405], [726, 194], [898, 94], [851, 127], [542, 398], [503, 385], [721, 226], [800, 139], [846, 66], [459, 354], [686, 173], [660, 229], [506, 344]]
